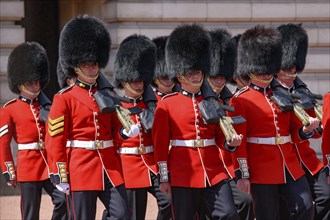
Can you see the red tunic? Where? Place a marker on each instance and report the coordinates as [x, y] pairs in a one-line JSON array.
[[177, 117], [137, 168], [264, 119], [76, 116], [326, 130], [227, 162], [307, 155], [20, 121]]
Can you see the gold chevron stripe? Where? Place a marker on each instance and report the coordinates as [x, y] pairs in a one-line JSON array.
[[56, 126], [57, 131], [56, 120]]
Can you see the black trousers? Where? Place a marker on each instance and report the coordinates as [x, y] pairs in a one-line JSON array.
[[113, 198], [321, 196], [243, 202], [296, 195], [137, 199], [217, 200], [31, 199]]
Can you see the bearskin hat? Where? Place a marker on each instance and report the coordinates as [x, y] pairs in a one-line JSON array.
[[83, 39], [259, 51], [61, 76], [27, 62], [161, 68], [245, 77], [188, 49], [294, 46], [135, 60], [223, 54]]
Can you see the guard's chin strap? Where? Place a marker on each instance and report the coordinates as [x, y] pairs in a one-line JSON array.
[[287, 75], [130, 88], [161, 85], [239, 82], [81, 73], [24, 89], [197, 85], [216, 89], [254, 77]]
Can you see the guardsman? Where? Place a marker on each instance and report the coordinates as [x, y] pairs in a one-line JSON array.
[[134, 69], [223, 56], [266, 160], [80, 137], [326, 138], [162, 84], [294, 46], [191, 170], [21, 120]]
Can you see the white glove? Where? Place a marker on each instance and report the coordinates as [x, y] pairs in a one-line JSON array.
[[133, 132], [63, 187]]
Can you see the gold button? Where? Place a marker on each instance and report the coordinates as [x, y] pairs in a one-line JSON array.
[[63, 170]]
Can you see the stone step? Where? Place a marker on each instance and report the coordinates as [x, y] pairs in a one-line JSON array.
[[11, 10], [216, 11], [319, 32], [11, 36]]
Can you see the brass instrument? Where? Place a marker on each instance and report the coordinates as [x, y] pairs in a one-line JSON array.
[[124, 117], [213, 112], [318, 111], [301, 114], [227, 127]]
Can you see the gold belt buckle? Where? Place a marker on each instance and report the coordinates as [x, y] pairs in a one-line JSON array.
[[279, 140], [142, 150], [99, 144], [198, 143], [41, 144]]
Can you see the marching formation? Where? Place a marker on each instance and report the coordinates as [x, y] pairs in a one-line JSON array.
[[175, 130]]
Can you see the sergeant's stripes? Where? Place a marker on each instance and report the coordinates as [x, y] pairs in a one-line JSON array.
[[55, 126], [3, 130]]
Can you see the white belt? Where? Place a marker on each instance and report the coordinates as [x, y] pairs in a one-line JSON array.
[[31, 146], [269, 140], [136, 150], [193, 143], [90, 145]]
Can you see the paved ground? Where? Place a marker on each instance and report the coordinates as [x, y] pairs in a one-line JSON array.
[[9, 208]]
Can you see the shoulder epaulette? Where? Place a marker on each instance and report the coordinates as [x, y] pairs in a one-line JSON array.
[[65, 89], [9, 102], [168, 95], [244, 89]]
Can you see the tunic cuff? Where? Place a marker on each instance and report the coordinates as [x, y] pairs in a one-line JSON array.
[[229, 148], [305, 136], [163, 175], [243, 170], [62, 175]]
